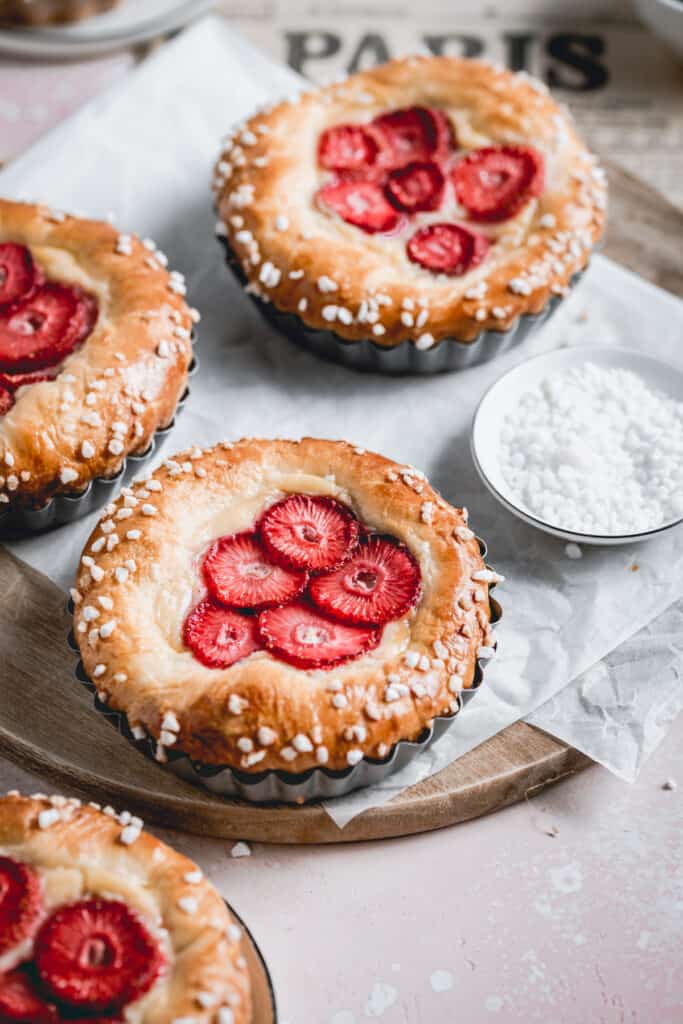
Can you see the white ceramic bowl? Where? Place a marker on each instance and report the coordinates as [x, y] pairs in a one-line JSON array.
[[503, 397], [665, 18]]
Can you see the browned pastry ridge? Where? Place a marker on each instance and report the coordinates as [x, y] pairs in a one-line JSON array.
[[82, 851], [51, 12], [121, 385], [331, 275], [139, 576]]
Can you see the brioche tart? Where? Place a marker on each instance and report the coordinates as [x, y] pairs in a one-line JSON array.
[[101, 922], [265, 615], [51, 12], [95, 349], [422, 215]]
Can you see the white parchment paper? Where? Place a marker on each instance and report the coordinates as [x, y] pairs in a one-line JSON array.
[[144, 151]]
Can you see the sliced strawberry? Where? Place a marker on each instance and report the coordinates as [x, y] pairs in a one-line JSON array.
[[219, 636], [6, 399], [418, 186], [11, 382], [347, 147], [18, 380], [495, 182], [302, 636], [413, 134], [445, 133], [303, 532], [86, 315], [19, 1001], [20, 902], [98, 1020], [238, 573], [361, 203], [17, 272], [97, 955], [44, 328], [380, 582], [447, 248]]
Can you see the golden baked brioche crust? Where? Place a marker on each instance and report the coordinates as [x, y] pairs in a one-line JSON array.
[[334, 276], [121, 385], [140, 575], [81, 851]]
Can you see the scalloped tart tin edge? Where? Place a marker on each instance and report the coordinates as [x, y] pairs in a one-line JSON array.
[[367, 355], [274, 785]]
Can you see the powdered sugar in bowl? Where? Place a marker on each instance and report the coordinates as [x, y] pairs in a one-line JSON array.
[[586, 443]]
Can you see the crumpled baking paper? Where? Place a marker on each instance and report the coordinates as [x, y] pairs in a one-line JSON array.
[[145, 151]]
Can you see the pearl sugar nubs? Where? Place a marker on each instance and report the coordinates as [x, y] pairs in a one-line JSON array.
[[595, 450]]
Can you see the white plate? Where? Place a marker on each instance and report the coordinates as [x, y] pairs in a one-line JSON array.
[[134, 21], [503, 397]]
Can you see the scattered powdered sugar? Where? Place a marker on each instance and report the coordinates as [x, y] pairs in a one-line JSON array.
[[240, 850], [441, 980], [493, 1004], [595, 450], [568, 878], [382, 997]]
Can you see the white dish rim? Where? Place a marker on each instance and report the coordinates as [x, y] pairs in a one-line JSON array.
[[505, 499], [57, 42]]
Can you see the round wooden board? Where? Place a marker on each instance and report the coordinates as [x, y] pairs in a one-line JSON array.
[[47, 724]]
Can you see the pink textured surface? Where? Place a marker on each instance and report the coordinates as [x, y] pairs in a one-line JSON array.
[[34, 97], [562, 910]]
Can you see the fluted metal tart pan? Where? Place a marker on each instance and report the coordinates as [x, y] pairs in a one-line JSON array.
[[405, 358], [275, 785]]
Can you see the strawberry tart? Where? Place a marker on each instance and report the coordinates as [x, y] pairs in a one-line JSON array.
[[281, 605], [51, 12], [94, 352], [100, 922], [431, 199]]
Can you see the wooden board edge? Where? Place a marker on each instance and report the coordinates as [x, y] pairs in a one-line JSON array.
[[410, 812]]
